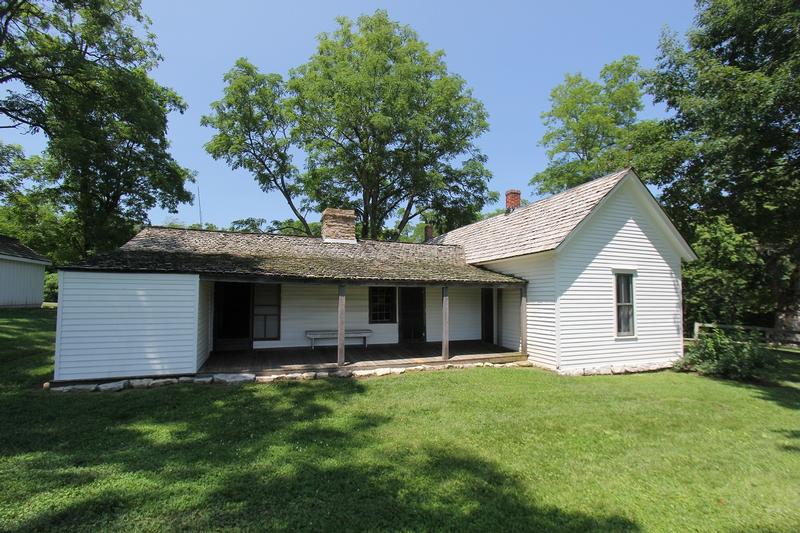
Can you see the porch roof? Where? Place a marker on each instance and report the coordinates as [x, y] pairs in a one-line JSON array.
[[256, 256]]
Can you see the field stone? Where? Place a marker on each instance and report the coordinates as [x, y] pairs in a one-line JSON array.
[[114, 386], [140, 383], [232, 379], [205, 380], [363, 373], [163, 382], [383, 371], [322, 374], [343, 373], [268, 379], [87, 387], [185, 379], [308, 375]]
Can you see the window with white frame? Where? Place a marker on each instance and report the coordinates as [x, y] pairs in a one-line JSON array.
[[624, 299]]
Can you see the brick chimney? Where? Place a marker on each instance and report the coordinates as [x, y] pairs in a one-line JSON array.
[[428, 232], [339, 225], [513, 197]]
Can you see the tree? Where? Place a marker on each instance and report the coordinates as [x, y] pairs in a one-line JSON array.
[[725, 283], [588, 127], [108, 160], [735, 102], [385, 129], [58, 48], [83, 70], [254, 126]]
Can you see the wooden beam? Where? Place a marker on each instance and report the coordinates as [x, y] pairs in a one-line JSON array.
[[523, 320], [340, 327], [445, 324]]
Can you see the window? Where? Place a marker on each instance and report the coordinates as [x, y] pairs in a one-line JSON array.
[[624, 288], [267, 312], [382, 305]]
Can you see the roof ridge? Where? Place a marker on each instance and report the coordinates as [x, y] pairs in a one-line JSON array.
[[204, 230], [540, 201]]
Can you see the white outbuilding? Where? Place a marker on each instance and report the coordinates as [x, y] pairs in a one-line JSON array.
[[21, 274]]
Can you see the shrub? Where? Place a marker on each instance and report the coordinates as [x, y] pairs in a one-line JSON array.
[[735, 354], [51, 287]]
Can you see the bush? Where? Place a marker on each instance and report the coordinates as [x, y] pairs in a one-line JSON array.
[[735, 354], [51, 287]]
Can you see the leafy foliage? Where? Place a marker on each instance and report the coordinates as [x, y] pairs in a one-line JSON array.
[[725, 284], [84, 71], [733, 355], [384, 127], [736, 102], [587, 127], [58, 49]]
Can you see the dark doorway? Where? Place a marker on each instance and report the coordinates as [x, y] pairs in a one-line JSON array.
[[487, 315], [412, 314], [232, 320]]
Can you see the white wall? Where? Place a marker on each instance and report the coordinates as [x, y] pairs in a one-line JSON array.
[[540, 272], [205, 312], [310, 306], [620, 235], [306, 306], [465, 313], [21, 283], [125, 325]]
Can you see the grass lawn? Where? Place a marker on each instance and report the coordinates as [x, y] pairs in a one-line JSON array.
[[480, 449]]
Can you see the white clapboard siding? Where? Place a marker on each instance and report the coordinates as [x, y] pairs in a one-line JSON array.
[[125, 325], [621, 235], [539, 270], [509, 319], [465, 313], [312, 306], [21, 283], [204, 326]]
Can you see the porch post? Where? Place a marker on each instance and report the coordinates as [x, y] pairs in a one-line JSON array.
[[340, 327], [523, 319], [445, 324]]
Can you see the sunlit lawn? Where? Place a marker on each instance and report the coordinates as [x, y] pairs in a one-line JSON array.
[[480, 449]]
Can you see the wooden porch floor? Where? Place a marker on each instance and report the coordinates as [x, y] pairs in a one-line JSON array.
[[324, 357]]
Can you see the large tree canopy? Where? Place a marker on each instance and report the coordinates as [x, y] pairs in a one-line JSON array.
[[384, 127], [78, 71], [589, 126], [57, 48], [735, 99]]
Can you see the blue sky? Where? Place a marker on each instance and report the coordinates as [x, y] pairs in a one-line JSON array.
[[510, 53]]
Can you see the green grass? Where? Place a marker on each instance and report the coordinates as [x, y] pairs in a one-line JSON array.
[[481, 449]]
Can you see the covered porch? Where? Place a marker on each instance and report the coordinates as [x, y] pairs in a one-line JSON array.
[[262, 327], [277, 360]]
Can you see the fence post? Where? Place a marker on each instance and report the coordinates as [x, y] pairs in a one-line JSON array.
[[696, 330]]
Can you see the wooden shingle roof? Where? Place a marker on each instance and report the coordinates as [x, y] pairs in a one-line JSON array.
[[534, 228], [280, 257], [12, 248]]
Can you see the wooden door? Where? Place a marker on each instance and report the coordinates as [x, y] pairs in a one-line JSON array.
[[412, 314]]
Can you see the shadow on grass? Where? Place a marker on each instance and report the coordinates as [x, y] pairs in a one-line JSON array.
[[291, 456], [26, 346]]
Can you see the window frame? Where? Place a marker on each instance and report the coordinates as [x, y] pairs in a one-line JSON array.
[[628, 335], [393, 306], [278, 314]]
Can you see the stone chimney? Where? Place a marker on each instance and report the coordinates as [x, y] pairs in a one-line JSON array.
[[428, 232], [339, 225], [513, 198]]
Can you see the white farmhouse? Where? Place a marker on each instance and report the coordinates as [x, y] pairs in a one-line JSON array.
[[584, 281]]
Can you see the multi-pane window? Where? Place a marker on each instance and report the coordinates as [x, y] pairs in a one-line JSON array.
[[267, 312], [624, 289], [382, 305]]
